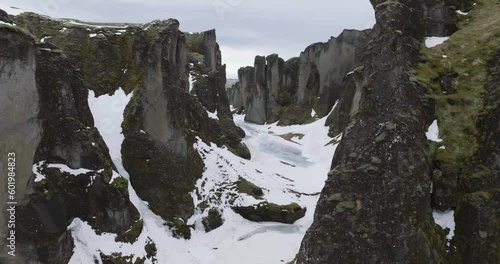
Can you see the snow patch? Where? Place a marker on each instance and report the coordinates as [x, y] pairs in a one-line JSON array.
[[433, 132], [445, 220], [434, 41], [237, 240], [108, 115], [462, 13], [45, 39], [191, 82], [8, 24], [213, 115], [39, 177]]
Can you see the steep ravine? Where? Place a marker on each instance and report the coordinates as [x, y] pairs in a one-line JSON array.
[[378, 146], [183, 164]]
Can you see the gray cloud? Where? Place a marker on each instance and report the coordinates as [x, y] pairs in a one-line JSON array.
[[285, 27]]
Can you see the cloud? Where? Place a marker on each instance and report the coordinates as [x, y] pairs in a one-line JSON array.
[[237, 57]]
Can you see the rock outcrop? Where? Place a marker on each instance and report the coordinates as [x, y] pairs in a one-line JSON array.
[[294, 89], [441, 15], [375, 206], [208, 74], [477, 215], [73, 175], [20, 131]]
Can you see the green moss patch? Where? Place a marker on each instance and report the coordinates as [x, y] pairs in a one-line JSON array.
[[246, 187], [465, 53], [132, 234]]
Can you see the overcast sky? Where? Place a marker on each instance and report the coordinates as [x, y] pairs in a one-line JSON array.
[[245, 28]]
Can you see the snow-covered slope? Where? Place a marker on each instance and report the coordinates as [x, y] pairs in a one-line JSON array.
[[288, 170]]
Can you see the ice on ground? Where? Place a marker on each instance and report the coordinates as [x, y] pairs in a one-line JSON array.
[[445, 220], [237, 240], [433, 132], [434, 41]]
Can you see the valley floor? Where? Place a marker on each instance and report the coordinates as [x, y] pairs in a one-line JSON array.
[[289, 163]]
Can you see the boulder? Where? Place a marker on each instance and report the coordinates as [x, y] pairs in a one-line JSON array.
[[213, 220], [269, 212]]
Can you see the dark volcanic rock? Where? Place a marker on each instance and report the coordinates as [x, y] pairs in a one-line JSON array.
[[477, 214], [171, 121], [340, 117], [264, 212], [213, 220], [478, 227], [294, 88], [375, 206], [69, 138], [164, 153], [5, 17], [209, 75]]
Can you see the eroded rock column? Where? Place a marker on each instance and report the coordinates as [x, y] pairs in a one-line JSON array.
[[375, 206]]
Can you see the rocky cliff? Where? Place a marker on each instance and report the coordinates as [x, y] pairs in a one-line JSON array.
[[290, 91], [21, 128], [376, 206], [66, 168], [379, 185]]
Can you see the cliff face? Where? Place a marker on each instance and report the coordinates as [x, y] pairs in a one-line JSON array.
[[70, 174], [378, 188], [477, 213], [384, 167], [21, 129], [289, 91]]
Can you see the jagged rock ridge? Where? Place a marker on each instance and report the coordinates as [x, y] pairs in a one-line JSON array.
[[161, 124], [288, 91]]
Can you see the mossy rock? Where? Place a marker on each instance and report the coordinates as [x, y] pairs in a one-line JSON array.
[[119, 258], [121, 184], [265, 211], [150, 249], [131, 235], [180, 229], [213, 220], [478, 227], [246, 187]]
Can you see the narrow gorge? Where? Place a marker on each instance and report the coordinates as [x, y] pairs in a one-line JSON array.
[[377, 146]]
